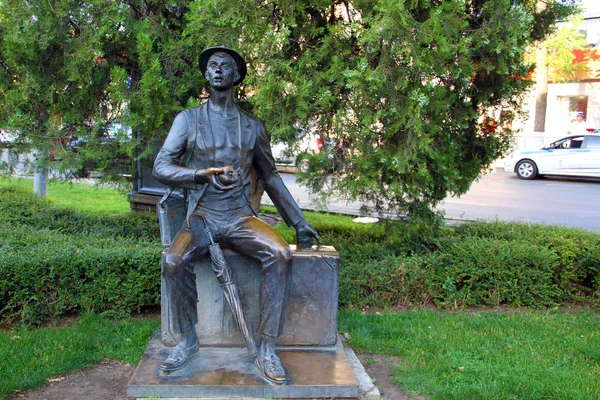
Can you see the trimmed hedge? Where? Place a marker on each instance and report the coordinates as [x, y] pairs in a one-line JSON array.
[[474, 264], [57, 273], [19, 207], [53, 261]]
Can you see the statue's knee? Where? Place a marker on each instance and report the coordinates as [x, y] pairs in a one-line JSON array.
[[285, 253], [172, 264]]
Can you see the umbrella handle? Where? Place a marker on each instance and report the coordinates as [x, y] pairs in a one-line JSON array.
[[207, 230]]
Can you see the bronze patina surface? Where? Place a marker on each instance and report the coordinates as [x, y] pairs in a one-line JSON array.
[[230, 372], [212, 152], [312, 305]]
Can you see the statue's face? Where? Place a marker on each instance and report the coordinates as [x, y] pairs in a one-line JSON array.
[[220, 71]]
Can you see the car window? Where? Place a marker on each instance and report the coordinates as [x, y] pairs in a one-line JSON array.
[[576, 143], [561, 144], [593, 142], [569, 143]]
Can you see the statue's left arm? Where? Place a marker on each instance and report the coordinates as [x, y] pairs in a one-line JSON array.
[[170, 170], [278, 192]]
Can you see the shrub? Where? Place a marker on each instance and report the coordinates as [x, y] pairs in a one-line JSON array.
[[577, 270], [389, 281], [20, 207], [44, 274], [480, 271], [54, 260], [471, 264]]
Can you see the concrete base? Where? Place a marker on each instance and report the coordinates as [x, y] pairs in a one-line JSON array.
[[231, 373]]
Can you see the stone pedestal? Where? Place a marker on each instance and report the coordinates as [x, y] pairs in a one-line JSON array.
[[316, 372]]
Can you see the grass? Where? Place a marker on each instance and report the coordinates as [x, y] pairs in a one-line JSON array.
[[451, 355], [88, 199], [31, 356], [486, 355]]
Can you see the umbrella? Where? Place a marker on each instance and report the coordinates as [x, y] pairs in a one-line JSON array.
[[223, 274]]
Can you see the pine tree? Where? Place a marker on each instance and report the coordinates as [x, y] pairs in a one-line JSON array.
[[416, 95]]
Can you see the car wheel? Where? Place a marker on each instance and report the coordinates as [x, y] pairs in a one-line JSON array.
[[526, 169], [304, 165]]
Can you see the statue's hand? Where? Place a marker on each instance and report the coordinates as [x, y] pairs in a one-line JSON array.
[[225, 179], [228, 176], [205, 175], [305, 235]]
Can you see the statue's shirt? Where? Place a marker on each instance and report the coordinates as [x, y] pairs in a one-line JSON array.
[[227, 141]]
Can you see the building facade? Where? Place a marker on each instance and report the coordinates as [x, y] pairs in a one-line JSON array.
[[566, 100]]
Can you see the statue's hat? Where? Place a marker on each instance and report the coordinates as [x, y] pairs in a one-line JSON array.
[[239, 60]]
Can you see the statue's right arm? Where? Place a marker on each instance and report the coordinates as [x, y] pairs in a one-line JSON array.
[[167, 166]]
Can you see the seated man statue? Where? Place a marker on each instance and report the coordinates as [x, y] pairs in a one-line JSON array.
[[211, 152]]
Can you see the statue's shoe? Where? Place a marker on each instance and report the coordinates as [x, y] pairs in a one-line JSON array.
[[179, 357], [271, 369]]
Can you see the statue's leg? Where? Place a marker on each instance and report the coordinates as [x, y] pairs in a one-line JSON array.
[[180, 283], [254, 238]]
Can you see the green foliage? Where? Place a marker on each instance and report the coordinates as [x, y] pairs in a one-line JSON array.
[[560, 46], [485, 355], [59, 60], [45, 274], [475, 264], [418, 95], [54, 260], [398, 264], [474, 271], [575, 252]]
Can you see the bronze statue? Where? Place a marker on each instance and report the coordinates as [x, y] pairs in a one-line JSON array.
[[211, 151]]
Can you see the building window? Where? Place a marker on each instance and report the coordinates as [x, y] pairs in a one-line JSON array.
[[571, 105]]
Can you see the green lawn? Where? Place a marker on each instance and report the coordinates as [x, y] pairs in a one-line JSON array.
[[450, 355], [486, 355], [31, 356], [88, 199]]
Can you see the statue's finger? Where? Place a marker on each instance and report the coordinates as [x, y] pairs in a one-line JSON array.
[[219, 185], [316, 235]]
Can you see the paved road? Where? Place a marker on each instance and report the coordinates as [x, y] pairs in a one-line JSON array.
[[501, 195]]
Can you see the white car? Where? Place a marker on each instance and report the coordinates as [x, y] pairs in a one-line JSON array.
[[6, 138], [577, 155], [307, 144]]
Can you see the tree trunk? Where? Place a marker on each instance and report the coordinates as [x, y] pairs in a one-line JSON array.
[[541, 89], [40, 176], [541, 86], [40, 186]]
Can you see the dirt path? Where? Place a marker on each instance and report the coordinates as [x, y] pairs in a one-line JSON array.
[[104, 381], [380, 369], [108, 381]]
